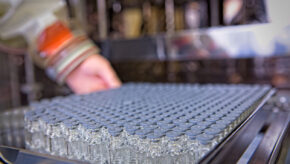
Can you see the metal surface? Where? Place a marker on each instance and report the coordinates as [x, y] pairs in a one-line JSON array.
[[221, 146], [14, 81], [169, 14], [271, 138], [269, 124], [30, 88], [284, 154], [212, 43], [102, 19], [230, 42], [10, 83]]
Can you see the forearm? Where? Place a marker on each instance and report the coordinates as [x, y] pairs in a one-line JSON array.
[[59, 51], [66, 56]]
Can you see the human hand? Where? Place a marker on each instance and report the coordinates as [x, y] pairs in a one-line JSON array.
[[94, 74]]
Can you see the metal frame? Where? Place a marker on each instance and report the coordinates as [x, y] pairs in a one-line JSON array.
[[269, 147]]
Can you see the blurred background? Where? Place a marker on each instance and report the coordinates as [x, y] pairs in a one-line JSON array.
[[180, 41], [187, 41]]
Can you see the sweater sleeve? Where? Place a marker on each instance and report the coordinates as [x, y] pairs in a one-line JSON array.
[[60, 51], [52, 45]]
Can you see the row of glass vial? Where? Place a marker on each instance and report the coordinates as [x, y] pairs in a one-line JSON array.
[[99, 146]]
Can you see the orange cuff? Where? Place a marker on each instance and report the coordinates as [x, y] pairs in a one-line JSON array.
[[60, 52], [52, 38]]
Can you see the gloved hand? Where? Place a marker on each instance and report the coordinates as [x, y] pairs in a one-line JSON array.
[[93, 74]]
